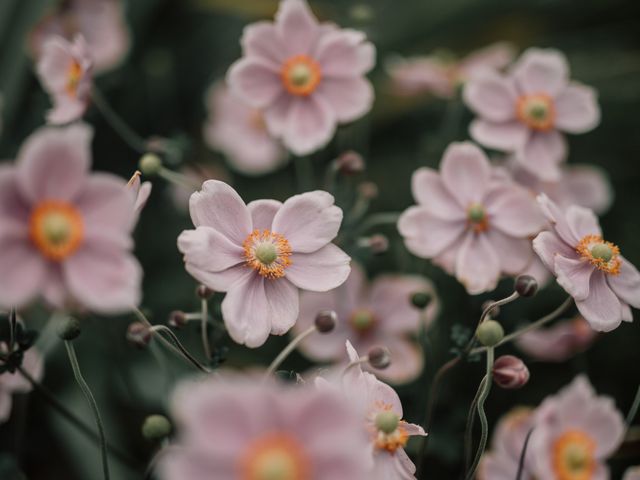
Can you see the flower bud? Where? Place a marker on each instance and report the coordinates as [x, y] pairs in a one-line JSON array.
[[68, 328], [204, 292], [421, 300], [150, 164], [379, 357], [326, 321], [490, 333], [510, 372], [177, 319], [349, 163], [526, 286], [378, 243], [138, 334], [156, 427]]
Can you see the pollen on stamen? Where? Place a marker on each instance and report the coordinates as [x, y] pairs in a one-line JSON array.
[[593, 248], [267, 252]]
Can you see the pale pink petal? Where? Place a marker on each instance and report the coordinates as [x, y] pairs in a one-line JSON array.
[[390, 299], [582, 222], [310, 124], [465, 172], [515, 254], [255, 81], [282, 296], [308, 221], [407, 360], [425, 235], [548, 245], [542, 155], [297, 26], [577, 109], [541, 71], [588, 186], [416, 75], [319, 271], [54, 63], [507, 136], [142, 197], [262, 213], [261, 40], [247, 313], [574, 276], [65, 110], [601, 308], [604, 423], [626, 284], [495, 56], [24, 271], [558, 220], [276, 114], [514, 211], [195, 464], [53, 162], [431, 194], [220, 281], [55, 292], [478, 264], [219, 206], [350, 98], [209, 250], [14, 208], [344, 53], [492, 96]]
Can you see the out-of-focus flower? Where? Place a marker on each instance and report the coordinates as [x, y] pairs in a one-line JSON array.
[[196, 174], [11, 383], [306, 76], [142, 190], [235, 428], [64, 69], [468, 221], [525, 111], [261, 254], [101, 22], [442, 75], [240, 133], [510, 372], [632, 473], [602, 282], [380, 314], [558, 342], [66, 234]]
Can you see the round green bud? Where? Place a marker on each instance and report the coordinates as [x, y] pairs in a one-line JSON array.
[[68, 328], [421, 299], [156, 427], [387, 422], [490, 333], [150, 164]]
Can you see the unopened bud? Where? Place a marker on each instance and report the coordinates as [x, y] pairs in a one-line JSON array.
[[526, 286], [378, 243], [68, 328], [177, 319], [326, 321], [490, 333], [368, 190], [156, 427], [204, 292], [138, 334], [150, 164], [510, 372], [495, 311], [421, 300], [350, 163], [379, 357]]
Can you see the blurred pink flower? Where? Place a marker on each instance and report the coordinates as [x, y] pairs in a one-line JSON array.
[[11, 383], [101, 22], [525, 111], [472, 223], [240, 133], [441, 76], [260, 254], [380, 314], [305, 76], [64, 69], [602, 282], [66, 234], [234, 428], [558, 342], [196, 174]]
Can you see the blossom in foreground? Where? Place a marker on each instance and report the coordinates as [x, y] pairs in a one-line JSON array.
[[240, 428], [11, 383], [370, 315], [65, 234], [64, 69], [305, 76], [470, 222], [100, 22], [525, 111], [240, 133], [441, 76], [261, 254], [602, 282], [559, 342]]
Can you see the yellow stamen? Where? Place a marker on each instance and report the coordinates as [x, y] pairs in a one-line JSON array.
[[301, 75], [536, 111], [574, 456], [275, 456], [477, 218], [56, 228], [603, 255], [267, 252], [389, 441], [74, 75]]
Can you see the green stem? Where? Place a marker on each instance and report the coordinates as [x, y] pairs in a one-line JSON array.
[[204, 320], [131, 138], [634, 409], [378, 219], [471, 418], [92, 403], [287, 350]]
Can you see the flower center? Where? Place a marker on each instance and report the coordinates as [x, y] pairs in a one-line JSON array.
[[477, 218], [275, 457], [74, 75], [536, 111], [301, 75], [362, 320], [389, 433], [387, 422], [573, 456], [603, 255], [267, 252], [56, 228]]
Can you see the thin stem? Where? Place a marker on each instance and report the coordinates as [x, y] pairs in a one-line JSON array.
[[498, 303], [634, 409], [287, 350], [523, 453], [354, 364], [468, 433], [203, 330], [92, 403], [378, 219], [13, 323], [177, 179], [131, 138]]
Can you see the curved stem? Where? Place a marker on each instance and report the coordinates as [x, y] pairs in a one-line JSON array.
[[523, 454], [131, 138], [378, 219], [634, 409], [468, 432], [204, 320], [178, 179], [287, 350], [71, 352]]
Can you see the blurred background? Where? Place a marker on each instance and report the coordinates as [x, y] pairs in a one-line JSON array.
[[178, 48]]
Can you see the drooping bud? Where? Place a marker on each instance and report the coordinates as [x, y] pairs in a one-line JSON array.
[[138, 334], [490, 333], [349, 163], [510, 372], [387, 422], [150, 164], [68, 328], [204, 292], [379, 357], [326, 321], [526, 286], [177, 319], [156, 427], [421, 300]]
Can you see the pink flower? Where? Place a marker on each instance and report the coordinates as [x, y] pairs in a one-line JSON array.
[[101, 22], [559, 342], [260, 254], [65, 234], [602, 282], [11, 383], [442, 76], [380, 314], [64, 69], [469, 221], [305, 76], [240, 133], [525, 111], [235, 428]]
